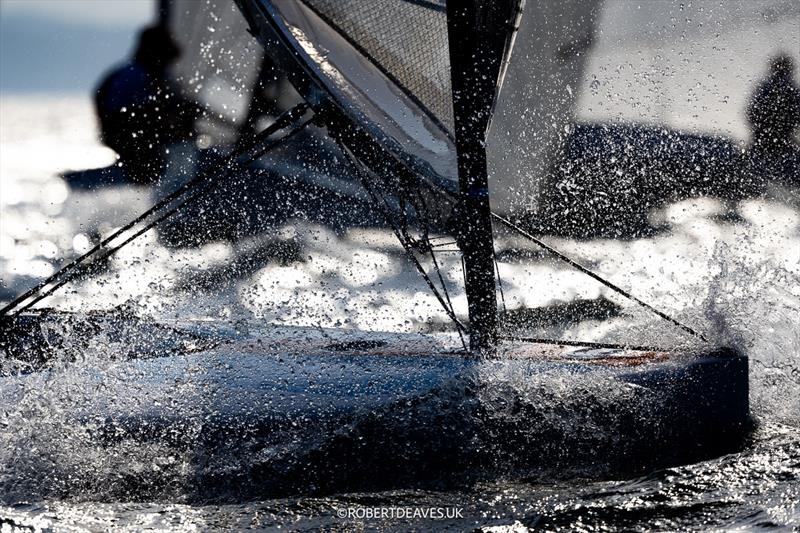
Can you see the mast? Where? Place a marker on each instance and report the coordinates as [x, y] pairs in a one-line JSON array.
[[478, 34]]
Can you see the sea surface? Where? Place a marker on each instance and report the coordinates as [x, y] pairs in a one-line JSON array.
[[730, 269]]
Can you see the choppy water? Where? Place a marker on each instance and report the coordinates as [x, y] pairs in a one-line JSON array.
[[735, 277]]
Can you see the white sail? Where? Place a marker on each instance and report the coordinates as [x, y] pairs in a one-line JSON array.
[[536, 104]]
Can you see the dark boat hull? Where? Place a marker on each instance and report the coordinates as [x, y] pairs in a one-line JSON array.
[[304, 410]]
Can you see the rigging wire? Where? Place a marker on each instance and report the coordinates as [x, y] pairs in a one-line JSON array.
[[583, 344], [69, 271], [205, 179], [362, 172], [499, 281], [452, 197], [408, 247], [596, 277], [435, 262]]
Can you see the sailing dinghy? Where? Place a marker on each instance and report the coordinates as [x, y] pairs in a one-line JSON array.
[[406, 88]]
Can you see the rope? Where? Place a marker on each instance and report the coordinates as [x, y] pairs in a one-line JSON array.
[[594, 276], [410, 253], [362, 172], [499, 281], [586, 344], [70, 271], [452, 197], [436, 263]]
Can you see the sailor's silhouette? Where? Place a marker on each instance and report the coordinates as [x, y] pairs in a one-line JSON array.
[[774, 117], [140, 111]]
